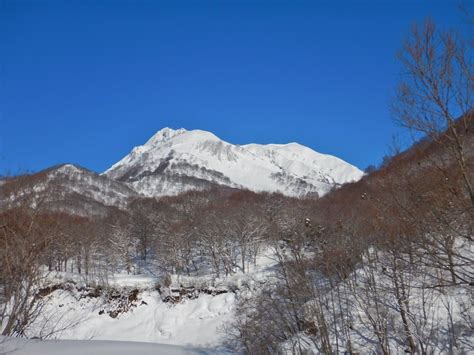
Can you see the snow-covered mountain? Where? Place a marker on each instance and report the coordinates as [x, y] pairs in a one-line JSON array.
[[173, 161], [67, 188]]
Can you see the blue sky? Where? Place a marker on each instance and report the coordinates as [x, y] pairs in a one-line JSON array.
[[86, 81]]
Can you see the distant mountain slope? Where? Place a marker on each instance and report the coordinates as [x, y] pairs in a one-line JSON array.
[[67, 188], [174, 161]]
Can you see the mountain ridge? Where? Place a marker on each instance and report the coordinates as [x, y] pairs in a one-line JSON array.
[[178, 160], [172, 162]]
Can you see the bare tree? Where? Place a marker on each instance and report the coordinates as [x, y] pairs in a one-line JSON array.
[[435, 96], [23, 242]]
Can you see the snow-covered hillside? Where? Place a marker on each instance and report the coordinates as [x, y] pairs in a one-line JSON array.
[[173, 161], [195, 313], [68, 188]]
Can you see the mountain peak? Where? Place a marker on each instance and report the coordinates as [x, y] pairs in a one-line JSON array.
[[167, 134], [164, 134], [68, 168], [173, 161]]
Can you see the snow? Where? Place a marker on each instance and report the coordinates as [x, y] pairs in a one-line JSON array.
[[191, 323], [291, 169], [164, 135], [196, 322], [20, 346], [116, 280]]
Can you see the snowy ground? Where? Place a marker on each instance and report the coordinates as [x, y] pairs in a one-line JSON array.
[[196, 322], [131, 316], [73, 312], [16, 346]]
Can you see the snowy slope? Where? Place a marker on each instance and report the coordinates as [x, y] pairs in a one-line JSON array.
[[173, 161], [20, 346], [194, 322], [80, 311], [67, 188]]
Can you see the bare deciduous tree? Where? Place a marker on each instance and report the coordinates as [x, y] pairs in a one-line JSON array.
[[435, 96]]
